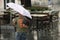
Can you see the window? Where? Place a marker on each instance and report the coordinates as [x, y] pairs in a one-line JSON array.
[[26, 3], [13, 1], [7, 1]]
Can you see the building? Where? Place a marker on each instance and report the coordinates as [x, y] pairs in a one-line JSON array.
[[3, 3], [26, 2]]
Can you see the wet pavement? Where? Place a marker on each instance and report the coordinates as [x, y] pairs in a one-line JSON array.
[[7, 32], [11, 33]]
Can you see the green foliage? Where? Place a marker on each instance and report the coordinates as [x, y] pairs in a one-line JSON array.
[[38, 8]]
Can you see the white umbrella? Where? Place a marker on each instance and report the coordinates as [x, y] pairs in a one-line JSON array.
[[20, 9]]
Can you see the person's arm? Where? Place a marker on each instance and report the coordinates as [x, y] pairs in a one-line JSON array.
[[13, 22]]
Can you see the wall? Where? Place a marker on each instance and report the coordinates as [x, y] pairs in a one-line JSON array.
[[18, 1], [1, 6], [40, 2]]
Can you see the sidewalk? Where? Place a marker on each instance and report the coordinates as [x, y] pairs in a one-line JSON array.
[[7, 32]]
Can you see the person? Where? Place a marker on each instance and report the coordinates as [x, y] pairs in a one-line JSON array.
[[21, 28]]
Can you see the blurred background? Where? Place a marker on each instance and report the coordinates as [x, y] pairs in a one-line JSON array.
[[46, 19]]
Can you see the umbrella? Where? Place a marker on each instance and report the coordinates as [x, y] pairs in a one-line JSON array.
[[20, 9]]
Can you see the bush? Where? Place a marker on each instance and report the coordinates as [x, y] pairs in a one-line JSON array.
[[37, 8]]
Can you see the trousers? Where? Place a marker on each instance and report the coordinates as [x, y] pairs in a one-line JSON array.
[[21, 35]]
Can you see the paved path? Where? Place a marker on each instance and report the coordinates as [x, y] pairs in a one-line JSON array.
[[12, 33]]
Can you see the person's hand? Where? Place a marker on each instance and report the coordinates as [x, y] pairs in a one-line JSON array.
[[25, 26]]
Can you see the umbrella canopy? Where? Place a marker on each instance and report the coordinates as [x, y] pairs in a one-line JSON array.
[[20, 9]]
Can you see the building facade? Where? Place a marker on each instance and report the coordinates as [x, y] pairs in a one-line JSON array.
[[32, 2], [3, 3]]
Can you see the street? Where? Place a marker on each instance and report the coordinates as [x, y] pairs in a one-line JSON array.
[[12, 36]]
